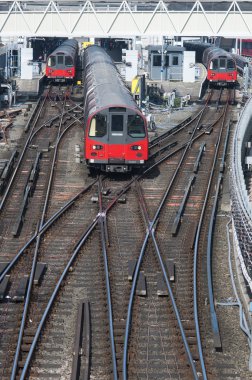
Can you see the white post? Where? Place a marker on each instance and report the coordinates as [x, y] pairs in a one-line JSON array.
[[162, 59]]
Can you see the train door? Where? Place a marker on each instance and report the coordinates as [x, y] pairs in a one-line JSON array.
[[60, 61], [117, 133]]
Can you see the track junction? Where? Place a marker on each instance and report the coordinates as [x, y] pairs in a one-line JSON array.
[[108, 276]]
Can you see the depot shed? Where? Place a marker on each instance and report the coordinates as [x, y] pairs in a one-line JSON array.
[[165, 62]]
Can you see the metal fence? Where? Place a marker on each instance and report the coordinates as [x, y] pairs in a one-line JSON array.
[[241, 205]]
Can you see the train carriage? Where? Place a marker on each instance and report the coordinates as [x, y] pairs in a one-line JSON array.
[[61, 63], [116, 138], [220, 65]]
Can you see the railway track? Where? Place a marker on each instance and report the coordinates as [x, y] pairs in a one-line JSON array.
[[130, 328]]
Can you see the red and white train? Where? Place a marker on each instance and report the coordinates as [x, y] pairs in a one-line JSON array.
[[220, 65], [61, 63], [116, 138]]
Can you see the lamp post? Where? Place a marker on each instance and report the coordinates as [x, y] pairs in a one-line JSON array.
[[162, 59]]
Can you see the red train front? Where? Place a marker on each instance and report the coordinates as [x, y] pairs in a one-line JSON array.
[[116, 138], [221, 67], [61, 63]]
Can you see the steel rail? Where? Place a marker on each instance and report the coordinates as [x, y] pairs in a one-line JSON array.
[[34, 261], [106, 267], [52, 169], [153, 223], [45, 227], [213, 315], [176, 129], [89, 230], [32, 134], [50, 221], [20, 160], [195, 303], [54, 294], [152, 228], [68, 204], [180, 126]]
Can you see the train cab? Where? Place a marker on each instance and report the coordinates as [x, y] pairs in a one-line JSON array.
[[61, 63], [116, 137], [221, 67]]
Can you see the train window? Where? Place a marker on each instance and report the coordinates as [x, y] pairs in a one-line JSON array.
[[117, 125], [68, 61], [156, 60], [214, 64], [98, 126], [136, 126], [51, 61], [246, 44], [230, 64], [117, 109], [175, 60], [60, 59], [222, 63]]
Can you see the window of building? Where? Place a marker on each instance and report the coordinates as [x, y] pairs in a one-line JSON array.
[[156, 60], [175, 60]]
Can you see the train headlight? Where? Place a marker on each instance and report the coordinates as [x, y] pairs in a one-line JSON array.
[[97, 147], [136, 147]]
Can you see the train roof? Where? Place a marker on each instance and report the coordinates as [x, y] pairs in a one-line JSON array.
[[104, 83], [67, 47], [214, 51], [241, 62], [196, 45], [166, 48]]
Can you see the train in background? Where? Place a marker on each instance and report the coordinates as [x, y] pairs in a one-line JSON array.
[[242, 46], [241, 63], [246, 48], [221, 65], [116, 137], [62, 62]]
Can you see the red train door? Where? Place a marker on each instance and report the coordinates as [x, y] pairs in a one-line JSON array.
[[116, 138]]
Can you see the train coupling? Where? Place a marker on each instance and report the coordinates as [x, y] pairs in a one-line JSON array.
[[117, 168]]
